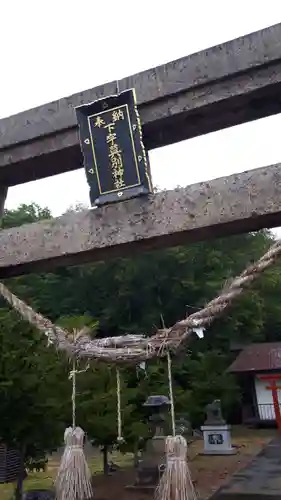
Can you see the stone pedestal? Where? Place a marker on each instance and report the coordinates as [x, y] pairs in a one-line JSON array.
[[152, 463], [217, 440], [153, 459]]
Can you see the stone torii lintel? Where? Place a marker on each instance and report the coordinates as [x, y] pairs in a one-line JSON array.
[[238, 203], [225, 85]]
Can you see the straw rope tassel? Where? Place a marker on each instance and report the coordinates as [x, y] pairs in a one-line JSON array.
[[176, 482], [120, 439], [73, 481]]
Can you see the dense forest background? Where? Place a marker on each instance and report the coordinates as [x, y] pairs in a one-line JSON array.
[[128, 296]]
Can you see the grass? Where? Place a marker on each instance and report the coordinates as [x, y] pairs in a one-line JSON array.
[[45, 480]]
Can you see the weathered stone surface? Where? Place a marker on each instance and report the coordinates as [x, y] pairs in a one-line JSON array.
[[225, 85], [260, 480], [234, 204]]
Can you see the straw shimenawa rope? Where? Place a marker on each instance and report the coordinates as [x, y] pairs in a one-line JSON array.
[[137, 348]]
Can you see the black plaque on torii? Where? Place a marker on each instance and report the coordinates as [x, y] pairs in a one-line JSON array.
[[115, 160]]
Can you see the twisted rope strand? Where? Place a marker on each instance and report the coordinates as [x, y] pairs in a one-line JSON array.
[[84, 347], [73, 397], [119, 411], [138, 348], [231, 291], [171, 393]]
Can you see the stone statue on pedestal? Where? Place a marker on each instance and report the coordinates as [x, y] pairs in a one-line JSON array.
[[214, 413], [216, 433]]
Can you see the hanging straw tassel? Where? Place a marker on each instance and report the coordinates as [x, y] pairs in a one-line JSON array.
[[176, 482], [73, 481]]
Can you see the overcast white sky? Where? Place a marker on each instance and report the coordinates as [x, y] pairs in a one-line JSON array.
[[51, 49]]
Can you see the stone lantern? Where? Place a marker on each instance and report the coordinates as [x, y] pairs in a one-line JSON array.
[[153, 460]]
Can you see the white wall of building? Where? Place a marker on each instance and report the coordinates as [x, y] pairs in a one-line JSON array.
[[264, 399]]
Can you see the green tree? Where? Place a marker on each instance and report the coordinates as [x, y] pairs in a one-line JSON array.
[[33, 378], [25, 214], [33, 390], [128, 295]]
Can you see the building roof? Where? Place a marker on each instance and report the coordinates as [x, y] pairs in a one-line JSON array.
[[258, 357]]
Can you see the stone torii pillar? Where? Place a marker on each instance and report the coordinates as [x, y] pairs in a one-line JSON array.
[[273, 378], [3, 196]]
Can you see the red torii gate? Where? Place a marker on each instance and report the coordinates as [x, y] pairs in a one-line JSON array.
[[273, 378]]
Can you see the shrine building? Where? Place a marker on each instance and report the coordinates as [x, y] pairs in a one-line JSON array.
[[258, 370]]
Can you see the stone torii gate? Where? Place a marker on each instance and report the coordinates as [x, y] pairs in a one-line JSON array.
[[223, 86]]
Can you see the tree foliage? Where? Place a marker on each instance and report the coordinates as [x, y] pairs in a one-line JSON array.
[[129, 295], [32, 411]]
